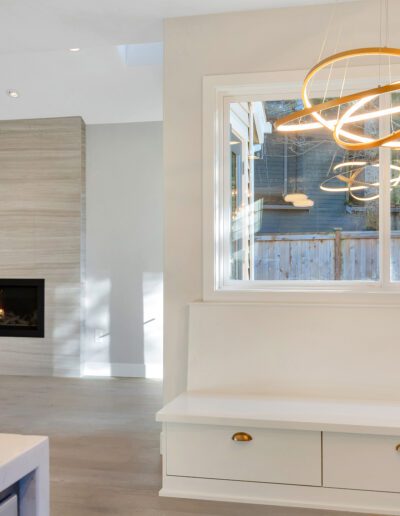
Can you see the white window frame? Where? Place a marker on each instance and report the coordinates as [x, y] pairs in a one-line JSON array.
[[218, 93]]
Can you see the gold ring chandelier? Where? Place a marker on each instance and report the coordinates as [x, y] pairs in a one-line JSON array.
[[352, 183], [347, 139]]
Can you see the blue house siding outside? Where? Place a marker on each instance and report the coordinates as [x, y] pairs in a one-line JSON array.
[[308, 165]]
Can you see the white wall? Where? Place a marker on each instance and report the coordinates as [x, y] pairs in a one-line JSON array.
[[124, 249], [297, 351], [282, 39]]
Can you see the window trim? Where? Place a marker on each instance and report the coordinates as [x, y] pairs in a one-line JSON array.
[[217, 92]]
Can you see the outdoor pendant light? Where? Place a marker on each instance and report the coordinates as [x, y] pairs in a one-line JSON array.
[[305, 203], [294, 197]]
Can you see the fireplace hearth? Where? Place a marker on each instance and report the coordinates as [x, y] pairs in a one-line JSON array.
[[22, 308]]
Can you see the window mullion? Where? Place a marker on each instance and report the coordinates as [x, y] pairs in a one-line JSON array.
[[225, 205], [384, 198]]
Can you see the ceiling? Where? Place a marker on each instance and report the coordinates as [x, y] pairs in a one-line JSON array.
[[103, 85], [40, 25], [117, 75]]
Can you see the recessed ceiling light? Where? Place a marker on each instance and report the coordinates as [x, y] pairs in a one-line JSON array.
[[74, 49], [13, 94]]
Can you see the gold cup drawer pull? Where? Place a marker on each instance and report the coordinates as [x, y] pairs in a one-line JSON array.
[[398, 448], [241, 437]]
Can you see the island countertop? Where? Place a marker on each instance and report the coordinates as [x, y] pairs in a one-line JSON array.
[[24, 460]]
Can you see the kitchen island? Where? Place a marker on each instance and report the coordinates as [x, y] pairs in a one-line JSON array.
[[24, 475]]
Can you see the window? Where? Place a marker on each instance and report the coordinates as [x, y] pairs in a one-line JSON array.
[[341, 233], [333, 236]]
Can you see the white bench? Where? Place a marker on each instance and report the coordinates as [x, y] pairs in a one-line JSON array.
[[314, 453]]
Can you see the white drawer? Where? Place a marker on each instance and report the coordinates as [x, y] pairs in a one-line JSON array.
[[275, 456], [366, 462]]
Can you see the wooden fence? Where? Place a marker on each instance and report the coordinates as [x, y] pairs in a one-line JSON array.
[[339, 255]]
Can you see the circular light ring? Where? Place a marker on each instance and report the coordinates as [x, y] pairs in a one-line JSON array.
[[362, 164], [395, 181], [335, 189], [315, 109], [352, 184], [362, 142], [377, 142], [365, 199], [346, 164]]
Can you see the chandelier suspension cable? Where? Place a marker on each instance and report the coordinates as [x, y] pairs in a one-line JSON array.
[[332, 162], [387, 24], [342, 90], [327, 34], [383, 30], [331, 67], [389, 60], [344, 79], [328, 29], [380, 41], [346, 68], [391, 97]]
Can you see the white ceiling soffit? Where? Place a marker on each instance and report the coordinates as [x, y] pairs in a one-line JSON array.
[[103, 85], [41, 25]]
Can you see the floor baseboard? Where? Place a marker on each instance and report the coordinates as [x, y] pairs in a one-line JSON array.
[[114, 369]]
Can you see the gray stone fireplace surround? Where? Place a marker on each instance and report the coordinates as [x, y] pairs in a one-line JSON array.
[[42, 177]]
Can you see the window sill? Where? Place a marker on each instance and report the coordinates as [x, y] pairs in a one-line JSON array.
[[300, 296]]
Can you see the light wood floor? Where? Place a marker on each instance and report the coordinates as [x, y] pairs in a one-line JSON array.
[[105, 447]]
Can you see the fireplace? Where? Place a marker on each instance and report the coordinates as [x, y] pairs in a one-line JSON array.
[[22, 308]]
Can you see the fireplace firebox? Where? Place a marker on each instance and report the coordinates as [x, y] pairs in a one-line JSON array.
[[22, 308]]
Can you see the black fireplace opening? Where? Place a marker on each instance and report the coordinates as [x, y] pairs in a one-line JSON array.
[[22, 308]]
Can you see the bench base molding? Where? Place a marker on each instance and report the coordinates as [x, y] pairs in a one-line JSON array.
[[282, 495]]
